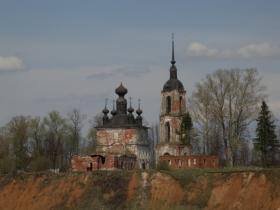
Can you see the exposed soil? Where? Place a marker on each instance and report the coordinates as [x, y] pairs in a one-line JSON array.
[[142, 190]]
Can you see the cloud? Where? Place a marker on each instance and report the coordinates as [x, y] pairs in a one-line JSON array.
[[128, 71], [10, 63], [258, 50], [197, 49]]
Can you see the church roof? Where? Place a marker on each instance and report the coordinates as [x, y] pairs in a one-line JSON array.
[[122, 117]]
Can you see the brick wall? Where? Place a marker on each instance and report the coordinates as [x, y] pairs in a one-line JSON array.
[[99, 162], [191, 161]]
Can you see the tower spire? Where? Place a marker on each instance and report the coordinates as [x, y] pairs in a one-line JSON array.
[[173, 54]]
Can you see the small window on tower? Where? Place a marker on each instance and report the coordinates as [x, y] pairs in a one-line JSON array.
[[180, 104], [167, 132], [168, 104]]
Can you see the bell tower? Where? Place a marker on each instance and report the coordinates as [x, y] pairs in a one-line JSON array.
[[173, 107]]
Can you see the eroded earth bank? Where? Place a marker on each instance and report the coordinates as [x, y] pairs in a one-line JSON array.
[[181, 189]]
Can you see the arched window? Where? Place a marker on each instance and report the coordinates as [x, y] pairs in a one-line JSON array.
[[168, 104], [180, 106], [167, 132]]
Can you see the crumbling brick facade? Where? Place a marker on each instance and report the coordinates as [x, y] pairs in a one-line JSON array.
[[125, 141], [99, 162], [191, 161], [173, 108], [123, 133]]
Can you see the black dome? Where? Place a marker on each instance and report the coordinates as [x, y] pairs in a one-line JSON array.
[[173, 84], [121, 90]]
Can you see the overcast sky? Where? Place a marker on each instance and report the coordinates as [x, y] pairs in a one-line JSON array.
[[60, 55]]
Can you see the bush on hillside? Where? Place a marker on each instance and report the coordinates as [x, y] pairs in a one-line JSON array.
[[163, 165], [40, 163]]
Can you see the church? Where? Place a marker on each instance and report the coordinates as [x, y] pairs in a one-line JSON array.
[[122, 141], [123, 133]]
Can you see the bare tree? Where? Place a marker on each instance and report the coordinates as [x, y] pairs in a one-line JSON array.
[[228, 101], [75, 121], [96, 121], [201, 111], [154, 133]]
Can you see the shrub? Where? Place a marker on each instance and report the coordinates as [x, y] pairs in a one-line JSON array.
[[163, 165], [7, 165], [40, 163]]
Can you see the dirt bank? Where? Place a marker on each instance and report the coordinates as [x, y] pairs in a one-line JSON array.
[[185, 189]]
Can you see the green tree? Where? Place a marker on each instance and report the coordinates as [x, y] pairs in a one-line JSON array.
[[7, 162], [36, 136], [55, 135], [266, 141], [18, 134], [186, 129]]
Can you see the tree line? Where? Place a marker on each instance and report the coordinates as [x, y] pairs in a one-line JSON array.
[[35, 144], [223, 109]]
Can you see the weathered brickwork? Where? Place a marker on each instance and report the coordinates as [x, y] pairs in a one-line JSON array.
[[125, 141], [174, 117], [172, 149], [178, 102], [99, 162], [173, 108], [170, 121], [191, 161]]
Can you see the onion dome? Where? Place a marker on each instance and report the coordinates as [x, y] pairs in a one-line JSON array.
[[130, 112], [105, 110], [114, 111], [121, 90], [130, 109], [139, 112], [173, 84]]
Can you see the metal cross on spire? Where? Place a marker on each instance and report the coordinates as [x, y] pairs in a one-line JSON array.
[[106, 102], [130, 99], [113, 104], [173, 54], [139, 102]]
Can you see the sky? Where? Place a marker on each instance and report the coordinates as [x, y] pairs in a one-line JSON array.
[[60, 55]]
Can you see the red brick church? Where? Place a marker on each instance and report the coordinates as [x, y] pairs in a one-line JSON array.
[[122, 139]]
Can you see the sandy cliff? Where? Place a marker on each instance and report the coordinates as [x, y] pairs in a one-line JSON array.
[[189, 190]]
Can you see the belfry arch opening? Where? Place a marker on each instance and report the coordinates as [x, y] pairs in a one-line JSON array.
[[168, 104], [167, 132], [180, 104]]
